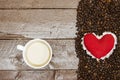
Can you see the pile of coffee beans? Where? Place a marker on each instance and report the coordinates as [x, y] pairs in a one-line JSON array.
[[98, 16]]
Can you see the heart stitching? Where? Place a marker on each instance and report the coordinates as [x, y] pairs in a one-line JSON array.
[[99, 47]]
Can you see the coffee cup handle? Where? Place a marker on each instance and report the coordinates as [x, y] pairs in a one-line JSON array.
[[20, 47]]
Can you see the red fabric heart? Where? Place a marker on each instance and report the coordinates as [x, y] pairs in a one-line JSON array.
[[99, 47]]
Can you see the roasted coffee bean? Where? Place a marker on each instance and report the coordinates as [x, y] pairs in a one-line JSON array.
[[98, 16]]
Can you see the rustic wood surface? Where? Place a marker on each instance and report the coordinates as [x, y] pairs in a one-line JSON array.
[[64, 56], [39, 75], [52, 20], [38, 3], [39, 23]]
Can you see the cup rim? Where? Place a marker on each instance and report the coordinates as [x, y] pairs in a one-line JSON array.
[[24, 57]]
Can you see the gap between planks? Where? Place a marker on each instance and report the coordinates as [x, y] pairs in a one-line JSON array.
[[6, 36], [38, 8]]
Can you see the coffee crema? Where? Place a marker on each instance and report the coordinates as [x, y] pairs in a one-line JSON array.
[[37, 54]]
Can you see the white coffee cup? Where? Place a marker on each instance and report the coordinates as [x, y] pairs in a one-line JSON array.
[[37, 53]]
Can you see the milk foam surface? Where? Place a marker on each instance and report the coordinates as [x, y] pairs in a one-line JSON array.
[[38, 53]]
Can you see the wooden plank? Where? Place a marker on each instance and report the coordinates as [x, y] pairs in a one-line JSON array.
[[64, 56], [39, 75], [66, 75], [29, 75], [38, 3], [39, 23]]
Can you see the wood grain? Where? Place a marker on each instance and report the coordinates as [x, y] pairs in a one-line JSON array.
[[39, 23], [52, 20], [26, 75], [29, 75], [64, 56], [38, 75], [38, 3], [66, 75]]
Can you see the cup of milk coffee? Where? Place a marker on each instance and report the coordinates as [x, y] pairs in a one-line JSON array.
[[37, 53]]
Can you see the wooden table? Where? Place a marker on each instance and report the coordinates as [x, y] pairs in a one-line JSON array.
[[52, 20]]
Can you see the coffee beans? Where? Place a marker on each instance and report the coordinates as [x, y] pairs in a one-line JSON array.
[[98, 16]]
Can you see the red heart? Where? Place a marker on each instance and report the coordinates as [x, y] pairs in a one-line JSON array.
[[99, 47]]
